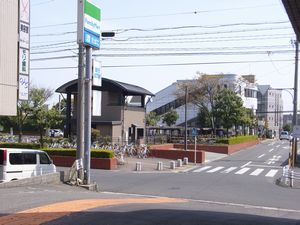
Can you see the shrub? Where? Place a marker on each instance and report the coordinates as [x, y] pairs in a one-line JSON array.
[[72, 152], [19, 145], [236, 140]]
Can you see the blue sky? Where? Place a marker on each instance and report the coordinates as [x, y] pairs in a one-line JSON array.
[[223, 31]]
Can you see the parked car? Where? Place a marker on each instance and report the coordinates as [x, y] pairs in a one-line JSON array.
[[17, 164], [284, 135], [55, 133]]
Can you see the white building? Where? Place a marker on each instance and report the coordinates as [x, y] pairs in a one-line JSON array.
[[166, 99], [270, 106]]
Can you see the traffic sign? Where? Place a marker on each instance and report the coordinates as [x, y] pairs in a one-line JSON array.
[[194, 131], [89, 16]]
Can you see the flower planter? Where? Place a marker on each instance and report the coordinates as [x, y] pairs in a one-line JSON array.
[[96, 163]]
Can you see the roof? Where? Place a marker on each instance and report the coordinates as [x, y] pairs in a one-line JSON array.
[[292, 8], [107, 85]]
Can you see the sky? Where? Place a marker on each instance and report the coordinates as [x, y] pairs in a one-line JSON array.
[[160, 41]]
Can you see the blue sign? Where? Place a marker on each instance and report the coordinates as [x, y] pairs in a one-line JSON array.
[[194, 132], [91, 39]]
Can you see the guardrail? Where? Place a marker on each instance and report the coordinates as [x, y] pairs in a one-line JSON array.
[[289, 176]]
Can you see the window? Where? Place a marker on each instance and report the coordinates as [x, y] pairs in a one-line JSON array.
[[15, 158], [22, 158], [2, 156], [29, 158], [44, 159]]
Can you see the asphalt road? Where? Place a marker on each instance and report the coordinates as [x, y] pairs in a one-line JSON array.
[[237, 189]]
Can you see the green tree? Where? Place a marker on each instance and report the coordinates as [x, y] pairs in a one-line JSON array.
[[170, 117], [228, 109], [40, 115], [152, 119], [204, 117], [202, 92], [287, 127]]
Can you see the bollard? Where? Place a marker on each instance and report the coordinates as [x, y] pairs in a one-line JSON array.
[[292, 178], [160, 166], [179, 162], [138, 166], [185, 161], [172, 165]]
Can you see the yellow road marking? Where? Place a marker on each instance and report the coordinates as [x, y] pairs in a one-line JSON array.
[[54, 211]]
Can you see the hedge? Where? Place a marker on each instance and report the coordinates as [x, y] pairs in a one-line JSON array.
[[236, 140], [95, 153], [19, 145]]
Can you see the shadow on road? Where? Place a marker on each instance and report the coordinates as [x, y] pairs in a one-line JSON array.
[[151, 216]]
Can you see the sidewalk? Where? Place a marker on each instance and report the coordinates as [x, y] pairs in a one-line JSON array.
[[150, 164]]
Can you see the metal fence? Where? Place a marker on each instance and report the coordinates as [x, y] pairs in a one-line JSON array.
[[290, 177]]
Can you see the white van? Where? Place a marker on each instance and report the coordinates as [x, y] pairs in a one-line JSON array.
[[17, 164]]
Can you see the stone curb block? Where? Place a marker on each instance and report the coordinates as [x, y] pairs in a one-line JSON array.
[[53, 178]]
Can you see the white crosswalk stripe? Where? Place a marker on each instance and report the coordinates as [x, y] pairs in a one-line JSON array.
[[271, 173], [215, 169], [229, 169], [236, 170], [202, 169], [242, 171], [256, 172]]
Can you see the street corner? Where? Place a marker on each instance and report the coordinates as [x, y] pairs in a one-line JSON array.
[[50, 212]]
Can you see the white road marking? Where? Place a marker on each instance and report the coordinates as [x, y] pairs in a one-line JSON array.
[[271, 173], [274, 159], [242, 171], [261, 156], [271, 150], [256, 172], [277, 146], [215, 169], [248, 163], [201, 169], [229, 170]]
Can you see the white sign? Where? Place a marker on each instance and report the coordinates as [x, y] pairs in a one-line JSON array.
[[23, 87], [97, 75], [96, 103], [24, 61], [24, 35], [25, 11]]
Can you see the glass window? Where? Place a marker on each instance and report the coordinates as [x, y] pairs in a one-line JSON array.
[[29, 158], [15, 158], [44, 159]]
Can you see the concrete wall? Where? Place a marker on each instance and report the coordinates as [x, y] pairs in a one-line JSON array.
[[8, 56]]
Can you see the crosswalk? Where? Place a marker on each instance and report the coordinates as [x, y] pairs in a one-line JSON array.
[[237, 171]]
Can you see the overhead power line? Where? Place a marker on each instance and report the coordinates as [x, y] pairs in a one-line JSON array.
[[201, 26], [167, 64]]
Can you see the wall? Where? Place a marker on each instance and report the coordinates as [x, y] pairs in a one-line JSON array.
[[8, 56]]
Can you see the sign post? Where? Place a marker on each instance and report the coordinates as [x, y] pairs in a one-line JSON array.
[[194, 134], [88, 35]]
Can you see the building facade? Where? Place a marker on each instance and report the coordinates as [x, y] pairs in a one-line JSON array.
[[269, 111], [9, 23], [166, 99], [122, 110]]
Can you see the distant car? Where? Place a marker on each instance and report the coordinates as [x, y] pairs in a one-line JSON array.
[[284, 135], [55, 133]]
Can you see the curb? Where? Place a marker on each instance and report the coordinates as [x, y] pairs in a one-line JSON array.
[[53, 178]]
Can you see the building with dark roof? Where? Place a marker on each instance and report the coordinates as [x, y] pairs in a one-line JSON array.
[[122, 110]]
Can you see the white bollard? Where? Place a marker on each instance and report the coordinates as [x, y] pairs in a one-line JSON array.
[[138, 166], [179, 162], [172, 165], [160, 166], [185, 161]]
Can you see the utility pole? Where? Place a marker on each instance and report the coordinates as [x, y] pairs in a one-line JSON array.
[[80, 107], [295, 102], [185, 119], [88, 115]]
